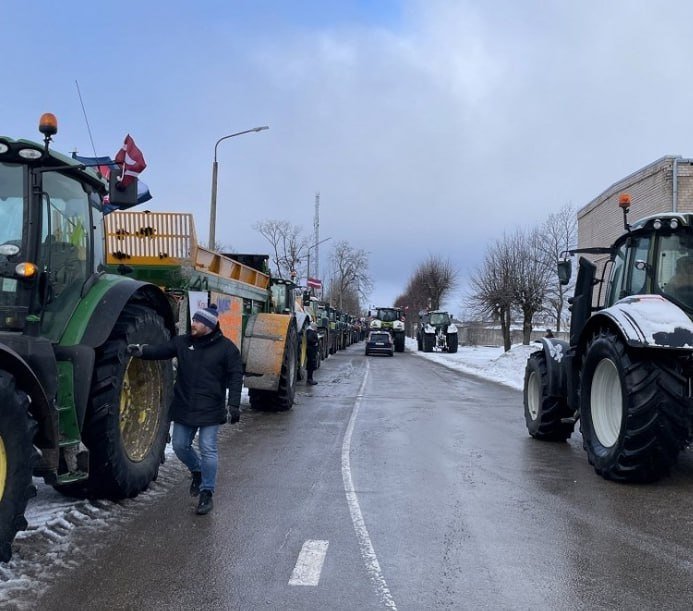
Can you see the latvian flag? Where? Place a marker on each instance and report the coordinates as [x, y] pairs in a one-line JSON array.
[[314, 283]]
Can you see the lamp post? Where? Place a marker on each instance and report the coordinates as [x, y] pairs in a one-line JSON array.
[[215, 165], [308, 256]]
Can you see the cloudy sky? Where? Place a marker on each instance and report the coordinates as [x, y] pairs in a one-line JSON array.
[[429, 127]]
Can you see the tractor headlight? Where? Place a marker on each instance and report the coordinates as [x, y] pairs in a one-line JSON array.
[[30, 154]]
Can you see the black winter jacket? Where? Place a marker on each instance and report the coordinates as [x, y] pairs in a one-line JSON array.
[[207, 367]]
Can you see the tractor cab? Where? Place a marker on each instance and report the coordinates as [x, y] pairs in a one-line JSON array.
[[656, 257], [50, 233], [283, 296], [653, 257]]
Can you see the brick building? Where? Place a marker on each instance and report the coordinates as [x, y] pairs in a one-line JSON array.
[[665, 185]]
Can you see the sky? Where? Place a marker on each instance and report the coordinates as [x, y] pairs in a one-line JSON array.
[[55, 520], [428, 127]]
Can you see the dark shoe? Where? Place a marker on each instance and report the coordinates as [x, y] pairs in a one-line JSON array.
[[205, 505], [195, 483], [312, 382]]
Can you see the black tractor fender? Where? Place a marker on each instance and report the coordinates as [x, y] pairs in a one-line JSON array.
[[556, 364], [106, 312]]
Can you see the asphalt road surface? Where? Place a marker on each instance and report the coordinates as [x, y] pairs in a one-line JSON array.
[[395, 483]]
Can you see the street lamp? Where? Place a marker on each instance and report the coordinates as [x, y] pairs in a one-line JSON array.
[[215, 165], [308, 255]]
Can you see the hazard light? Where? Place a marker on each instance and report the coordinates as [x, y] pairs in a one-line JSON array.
[[48, 124], [624, 201]]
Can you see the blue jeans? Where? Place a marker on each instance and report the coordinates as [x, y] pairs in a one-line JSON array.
[[206, 462]]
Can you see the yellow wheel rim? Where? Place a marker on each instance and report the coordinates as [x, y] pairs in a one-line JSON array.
[[140, 407], [3, 468]]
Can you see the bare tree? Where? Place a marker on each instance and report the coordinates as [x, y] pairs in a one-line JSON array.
[[427, 288], [492, 286], [558, 234], [288, 245], [435, 277], [531, 276], [349, 275]]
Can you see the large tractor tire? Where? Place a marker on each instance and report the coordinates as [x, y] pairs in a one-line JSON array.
[[632, 412], [127, 424], [283, 398], [419, 341], [16, 461], [428, 340], [543, 413], [399, 342], [452, 340]]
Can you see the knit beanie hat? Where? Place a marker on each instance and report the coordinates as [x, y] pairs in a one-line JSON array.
[[207, 316]]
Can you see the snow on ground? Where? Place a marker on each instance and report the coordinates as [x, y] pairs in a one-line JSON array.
[[47, 548], [488, 362]]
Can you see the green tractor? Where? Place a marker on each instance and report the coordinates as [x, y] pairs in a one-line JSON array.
[[392, 320], [75, 409]]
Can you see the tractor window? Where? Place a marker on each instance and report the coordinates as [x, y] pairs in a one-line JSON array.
[[387, 315], [11, 203], [617, 283], [280, 298], [639, 250], [64, 247], [439, 318], [675, 268]]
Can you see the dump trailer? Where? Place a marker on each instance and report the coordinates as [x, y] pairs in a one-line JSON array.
[[389, 319], [76, 410], [436, 332], [258, 313], [626, 372]]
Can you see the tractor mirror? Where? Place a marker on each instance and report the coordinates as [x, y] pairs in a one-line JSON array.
[[121, 197], [564, 271]]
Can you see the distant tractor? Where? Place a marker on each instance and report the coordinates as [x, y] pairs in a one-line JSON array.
[[627, 370], [392, 320], [436, 332]]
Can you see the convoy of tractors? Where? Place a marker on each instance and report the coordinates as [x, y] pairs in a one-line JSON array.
[[79, 283]]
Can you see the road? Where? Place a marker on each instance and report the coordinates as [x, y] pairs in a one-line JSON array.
[[410, 486]]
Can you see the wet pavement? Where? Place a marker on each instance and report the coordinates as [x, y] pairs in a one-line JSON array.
[[423, 490]]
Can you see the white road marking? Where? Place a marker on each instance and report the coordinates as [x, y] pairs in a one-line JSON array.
[[309, 563], [367, 550]]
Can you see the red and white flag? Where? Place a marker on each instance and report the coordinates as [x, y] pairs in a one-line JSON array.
[[131, 160], [314, 283]]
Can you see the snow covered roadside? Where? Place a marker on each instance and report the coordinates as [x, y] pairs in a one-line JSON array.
[[488, 362]]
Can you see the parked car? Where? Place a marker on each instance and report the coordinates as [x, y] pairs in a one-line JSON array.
[[380, 342]]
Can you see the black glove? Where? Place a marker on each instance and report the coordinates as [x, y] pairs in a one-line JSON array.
[[234, 414], [135, 349]]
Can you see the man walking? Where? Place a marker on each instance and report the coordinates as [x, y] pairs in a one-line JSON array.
[[209, 365], [313, 346]]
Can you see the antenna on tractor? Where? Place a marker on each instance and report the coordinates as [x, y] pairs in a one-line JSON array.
[[86, 120]]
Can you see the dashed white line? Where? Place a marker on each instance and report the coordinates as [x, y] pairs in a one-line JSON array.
[[365, 544], [309, 563]]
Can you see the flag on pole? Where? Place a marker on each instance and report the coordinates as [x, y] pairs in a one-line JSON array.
[[314, 283], [131, 160]]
